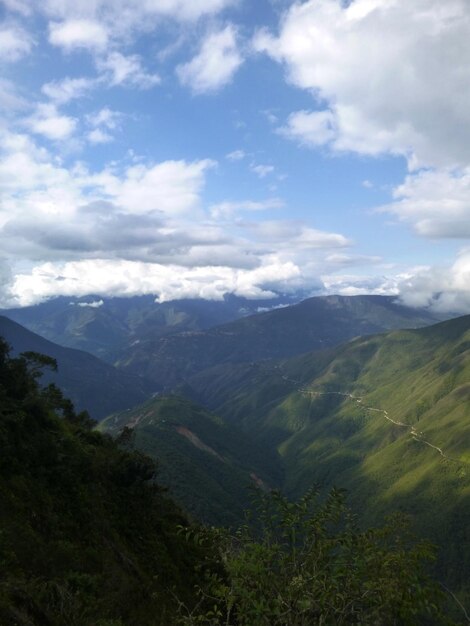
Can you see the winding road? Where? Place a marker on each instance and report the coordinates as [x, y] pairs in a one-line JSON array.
[[415, 434]]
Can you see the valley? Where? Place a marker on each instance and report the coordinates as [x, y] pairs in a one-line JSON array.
[[385, 416]]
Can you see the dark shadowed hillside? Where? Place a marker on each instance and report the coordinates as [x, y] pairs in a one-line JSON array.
[[207, 464], [313, 324], [91, 384]]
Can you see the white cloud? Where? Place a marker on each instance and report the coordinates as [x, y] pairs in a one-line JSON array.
[[131, 278], [170, 187], [215, 64], [67, 89], [105, 117], [394, 75], [20, 6], [10, 99], [127, 70], [236, 155], [312, 128], [78, 33], [142, 228], [133, 12], [227, 208], [435, 202], [442, 289], [47, 121], [262, 170], [295, 236], [14, 43], [102, 122], [98, 136], [96, 304]]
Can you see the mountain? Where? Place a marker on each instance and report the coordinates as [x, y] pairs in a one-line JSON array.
[[207, 465], [385, 416], [313, 324], [89, 382], [106, 327], [87, 537]]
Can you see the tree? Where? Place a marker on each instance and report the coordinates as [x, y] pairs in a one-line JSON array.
[[307, 562]]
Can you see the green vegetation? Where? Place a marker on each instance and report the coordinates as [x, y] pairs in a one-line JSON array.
[[420, 378], [207, 464], [310, 564], [86, 537]]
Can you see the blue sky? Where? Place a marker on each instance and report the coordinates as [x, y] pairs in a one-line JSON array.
[[191, 148]]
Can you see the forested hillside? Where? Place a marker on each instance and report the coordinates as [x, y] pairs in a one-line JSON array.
[[387, 417], [86, 537], [208, 465]]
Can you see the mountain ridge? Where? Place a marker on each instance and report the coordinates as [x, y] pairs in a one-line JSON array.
[[92, 384]]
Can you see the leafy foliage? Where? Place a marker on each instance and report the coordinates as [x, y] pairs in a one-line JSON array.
[[308, 563], [86, 536]]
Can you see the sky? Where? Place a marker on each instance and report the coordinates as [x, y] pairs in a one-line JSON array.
[[193, 148]]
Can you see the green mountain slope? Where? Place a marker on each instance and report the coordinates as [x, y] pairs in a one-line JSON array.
[[387, 417], [313, 324], [91, 384], [207, 465]]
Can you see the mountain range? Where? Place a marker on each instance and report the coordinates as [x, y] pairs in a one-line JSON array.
[[296, 396], [106, 327], [313, 324]]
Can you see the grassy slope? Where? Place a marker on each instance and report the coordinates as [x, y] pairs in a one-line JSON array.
[[211, 485]]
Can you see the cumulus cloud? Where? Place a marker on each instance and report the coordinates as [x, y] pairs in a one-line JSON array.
[[95, 304], [229, 208], [132, 278], [262, 170], [11, 100], [103, 123], [170, 187], [141, 228], [15, 43], [435, 202], [215, 64], [133, 11], [50, 123], [126, 70], [98, 136], [78, 33], [67, 89], [312, 128], [405, 91], [441, 289], [295, 236], [236, 155]]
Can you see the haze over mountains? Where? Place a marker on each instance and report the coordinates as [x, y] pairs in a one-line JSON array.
[[106, 327]]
